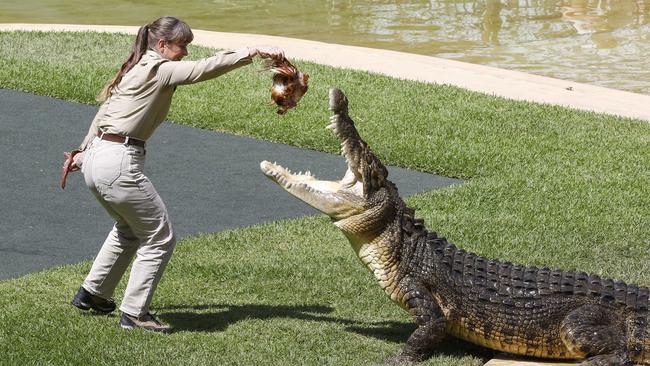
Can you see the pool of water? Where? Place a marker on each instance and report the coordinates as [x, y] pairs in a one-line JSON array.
[[601, 42]]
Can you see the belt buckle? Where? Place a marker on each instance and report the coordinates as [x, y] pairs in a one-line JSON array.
[[126, 140]]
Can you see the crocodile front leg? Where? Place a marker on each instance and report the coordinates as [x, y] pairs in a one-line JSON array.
[[596, 333], [431, 326]]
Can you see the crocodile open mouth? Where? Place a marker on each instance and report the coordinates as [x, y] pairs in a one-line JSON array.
[[351, 144], [335, 198]]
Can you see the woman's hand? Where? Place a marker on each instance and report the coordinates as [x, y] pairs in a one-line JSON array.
[[77, 161], [72, 163], [266, 52]]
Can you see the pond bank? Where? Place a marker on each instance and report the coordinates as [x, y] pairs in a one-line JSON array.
[[499, 82]]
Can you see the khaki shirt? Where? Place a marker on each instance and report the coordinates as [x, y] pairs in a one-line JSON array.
[[140, 102]]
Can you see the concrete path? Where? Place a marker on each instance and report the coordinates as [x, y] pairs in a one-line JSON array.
[[490, 80], [209, 181]]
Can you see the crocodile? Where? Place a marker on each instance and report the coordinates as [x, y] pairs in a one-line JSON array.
[[522, 310]]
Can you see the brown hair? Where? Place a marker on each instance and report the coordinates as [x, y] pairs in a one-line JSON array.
[[169, 29]]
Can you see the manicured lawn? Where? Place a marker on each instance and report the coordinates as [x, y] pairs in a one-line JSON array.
[[288, 293], [547, 186]]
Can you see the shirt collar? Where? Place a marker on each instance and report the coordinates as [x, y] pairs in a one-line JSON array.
[[150, 55]]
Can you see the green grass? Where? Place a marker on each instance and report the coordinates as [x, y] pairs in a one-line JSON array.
[[547, 186], [282, 293]]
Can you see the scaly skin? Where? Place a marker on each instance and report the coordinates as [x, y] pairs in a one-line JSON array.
[[528, 311]]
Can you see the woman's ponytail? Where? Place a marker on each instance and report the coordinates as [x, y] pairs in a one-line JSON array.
[[169, 29], [139, 48]]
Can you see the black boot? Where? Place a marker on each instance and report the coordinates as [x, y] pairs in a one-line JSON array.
[[84, 300]]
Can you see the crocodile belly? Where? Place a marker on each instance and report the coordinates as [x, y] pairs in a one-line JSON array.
[[517, 330]]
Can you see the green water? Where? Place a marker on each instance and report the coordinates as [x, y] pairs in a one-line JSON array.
[[601, 42]]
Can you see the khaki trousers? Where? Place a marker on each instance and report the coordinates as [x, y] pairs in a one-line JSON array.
[[114, 174]]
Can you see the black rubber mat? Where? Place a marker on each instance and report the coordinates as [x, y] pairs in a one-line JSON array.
[[209, 181]]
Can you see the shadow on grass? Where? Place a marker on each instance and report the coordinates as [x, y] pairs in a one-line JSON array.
[[217, 317], [391, 331]]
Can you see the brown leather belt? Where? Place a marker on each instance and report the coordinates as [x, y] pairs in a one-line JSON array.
[[121, 139]]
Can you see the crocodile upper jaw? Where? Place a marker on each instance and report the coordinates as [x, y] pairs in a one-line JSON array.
[[337, 199]]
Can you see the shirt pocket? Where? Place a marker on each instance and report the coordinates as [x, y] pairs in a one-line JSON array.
[[107, 166]]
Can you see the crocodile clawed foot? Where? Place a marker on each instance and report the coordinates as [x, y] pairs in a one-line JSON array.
[[405, 357]]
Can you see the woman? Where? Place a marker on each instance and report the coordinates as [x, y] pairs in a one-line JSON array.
[[135, 102]]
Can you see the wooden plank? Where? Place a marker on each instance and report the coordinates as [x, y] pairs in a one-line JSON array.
[[515, 362]]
